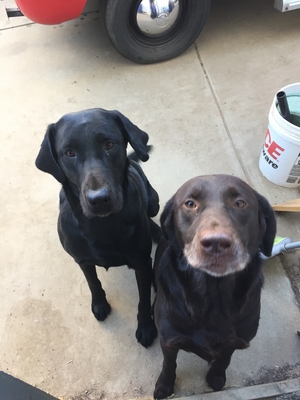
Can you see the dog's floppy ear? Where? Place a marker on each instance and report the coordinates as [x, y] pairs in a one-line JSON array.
[[137, 138], [267, 219], [167, 221], [47, 159]]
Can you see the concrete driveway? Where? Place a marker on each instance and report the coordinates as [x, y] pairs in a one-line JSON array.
[[205, 112]]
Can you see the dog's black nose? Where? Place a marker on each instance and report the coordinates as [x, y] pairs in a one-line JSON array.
[[216, 244], [98, 197]]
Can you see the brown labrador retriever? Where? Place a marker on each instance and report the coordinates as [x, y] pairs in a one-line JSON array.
[[209, 275]]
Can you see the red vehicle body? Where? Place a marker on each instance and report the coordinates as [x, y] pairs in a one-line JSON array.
[[51, 12]]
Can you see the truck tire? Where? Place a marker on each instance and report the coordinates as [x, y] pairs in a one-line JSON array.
[[151, 31]]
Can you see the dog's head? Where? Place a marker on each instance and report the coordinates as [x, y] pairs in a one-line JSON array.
[[87, 151], [219, 223]]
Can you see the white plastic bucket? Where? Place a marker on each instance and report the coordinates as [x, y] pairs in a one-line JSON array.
[[280, 156]]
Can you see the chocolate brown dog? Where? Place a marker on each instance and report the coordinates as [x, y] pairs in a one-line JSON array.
[[106, 202], [209, 273]]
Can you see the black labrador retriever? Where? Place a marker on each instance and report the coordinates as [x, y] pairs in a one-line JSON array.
[[106, 202], [209, 275]]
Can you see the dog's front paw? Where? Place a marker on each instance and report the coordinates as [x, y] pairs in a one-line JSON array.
[[163, 391], [101, 310], [146, 333], [216, 379]]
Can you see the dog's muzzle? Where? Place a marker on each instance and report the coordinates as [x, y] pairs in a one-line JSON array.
[[100, 203]]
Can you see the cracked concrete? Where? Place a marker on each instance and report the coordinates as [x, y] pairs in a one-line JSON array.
[[205, 112]]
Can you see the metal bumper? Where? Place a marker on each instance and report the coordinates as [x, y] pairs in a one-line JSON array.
[[286, 5]]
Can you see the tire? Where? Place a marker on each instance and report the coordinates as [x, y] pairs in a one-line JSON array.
[[141, 47]]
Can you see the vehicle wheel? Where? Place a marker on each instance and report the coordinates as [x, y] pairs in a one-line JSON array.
[[149, 31]]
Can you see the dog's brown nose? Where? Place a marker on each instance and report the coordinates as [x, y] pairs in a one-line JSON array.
[[98, 197], [216, 243]]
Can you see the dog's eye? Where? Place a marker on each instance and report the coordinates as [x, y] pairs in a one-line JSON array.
[[190, 204], [70, 153], [240, 204], [109, 145]]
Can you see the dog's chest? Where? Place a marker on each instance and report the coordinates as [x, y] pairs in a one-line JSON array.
[[203, 326], [102, 242], [109, 242]]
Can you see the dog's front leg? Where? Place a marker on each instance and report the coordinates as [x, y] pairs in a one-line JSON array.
[[164, 387], [216, 376], [100, 306], [146, 331]]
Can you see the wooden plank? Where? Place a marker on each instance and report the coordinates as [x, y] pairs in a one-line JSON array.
[[292, 206]]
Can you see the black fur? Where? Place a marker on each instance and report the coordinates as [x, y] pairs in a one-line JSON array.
[[209, 273], [106, 202]]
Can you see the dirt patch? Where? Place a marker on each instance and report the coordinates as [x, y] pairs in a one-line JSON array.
[[282, 373], [95, 395], [89, 395], [285, 372], [291, 265], [291, 396]]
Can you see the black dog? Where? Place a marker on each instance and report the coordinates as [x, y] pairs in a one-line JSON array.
[[208, 273], [105, 203]]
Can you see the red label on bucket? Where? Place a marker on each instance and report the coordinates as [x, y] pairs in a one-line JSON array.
[[272, 147]]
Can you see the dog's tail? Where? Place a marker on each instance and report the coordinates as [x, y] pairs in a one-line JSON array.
[[156, 232], [132, 156]]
